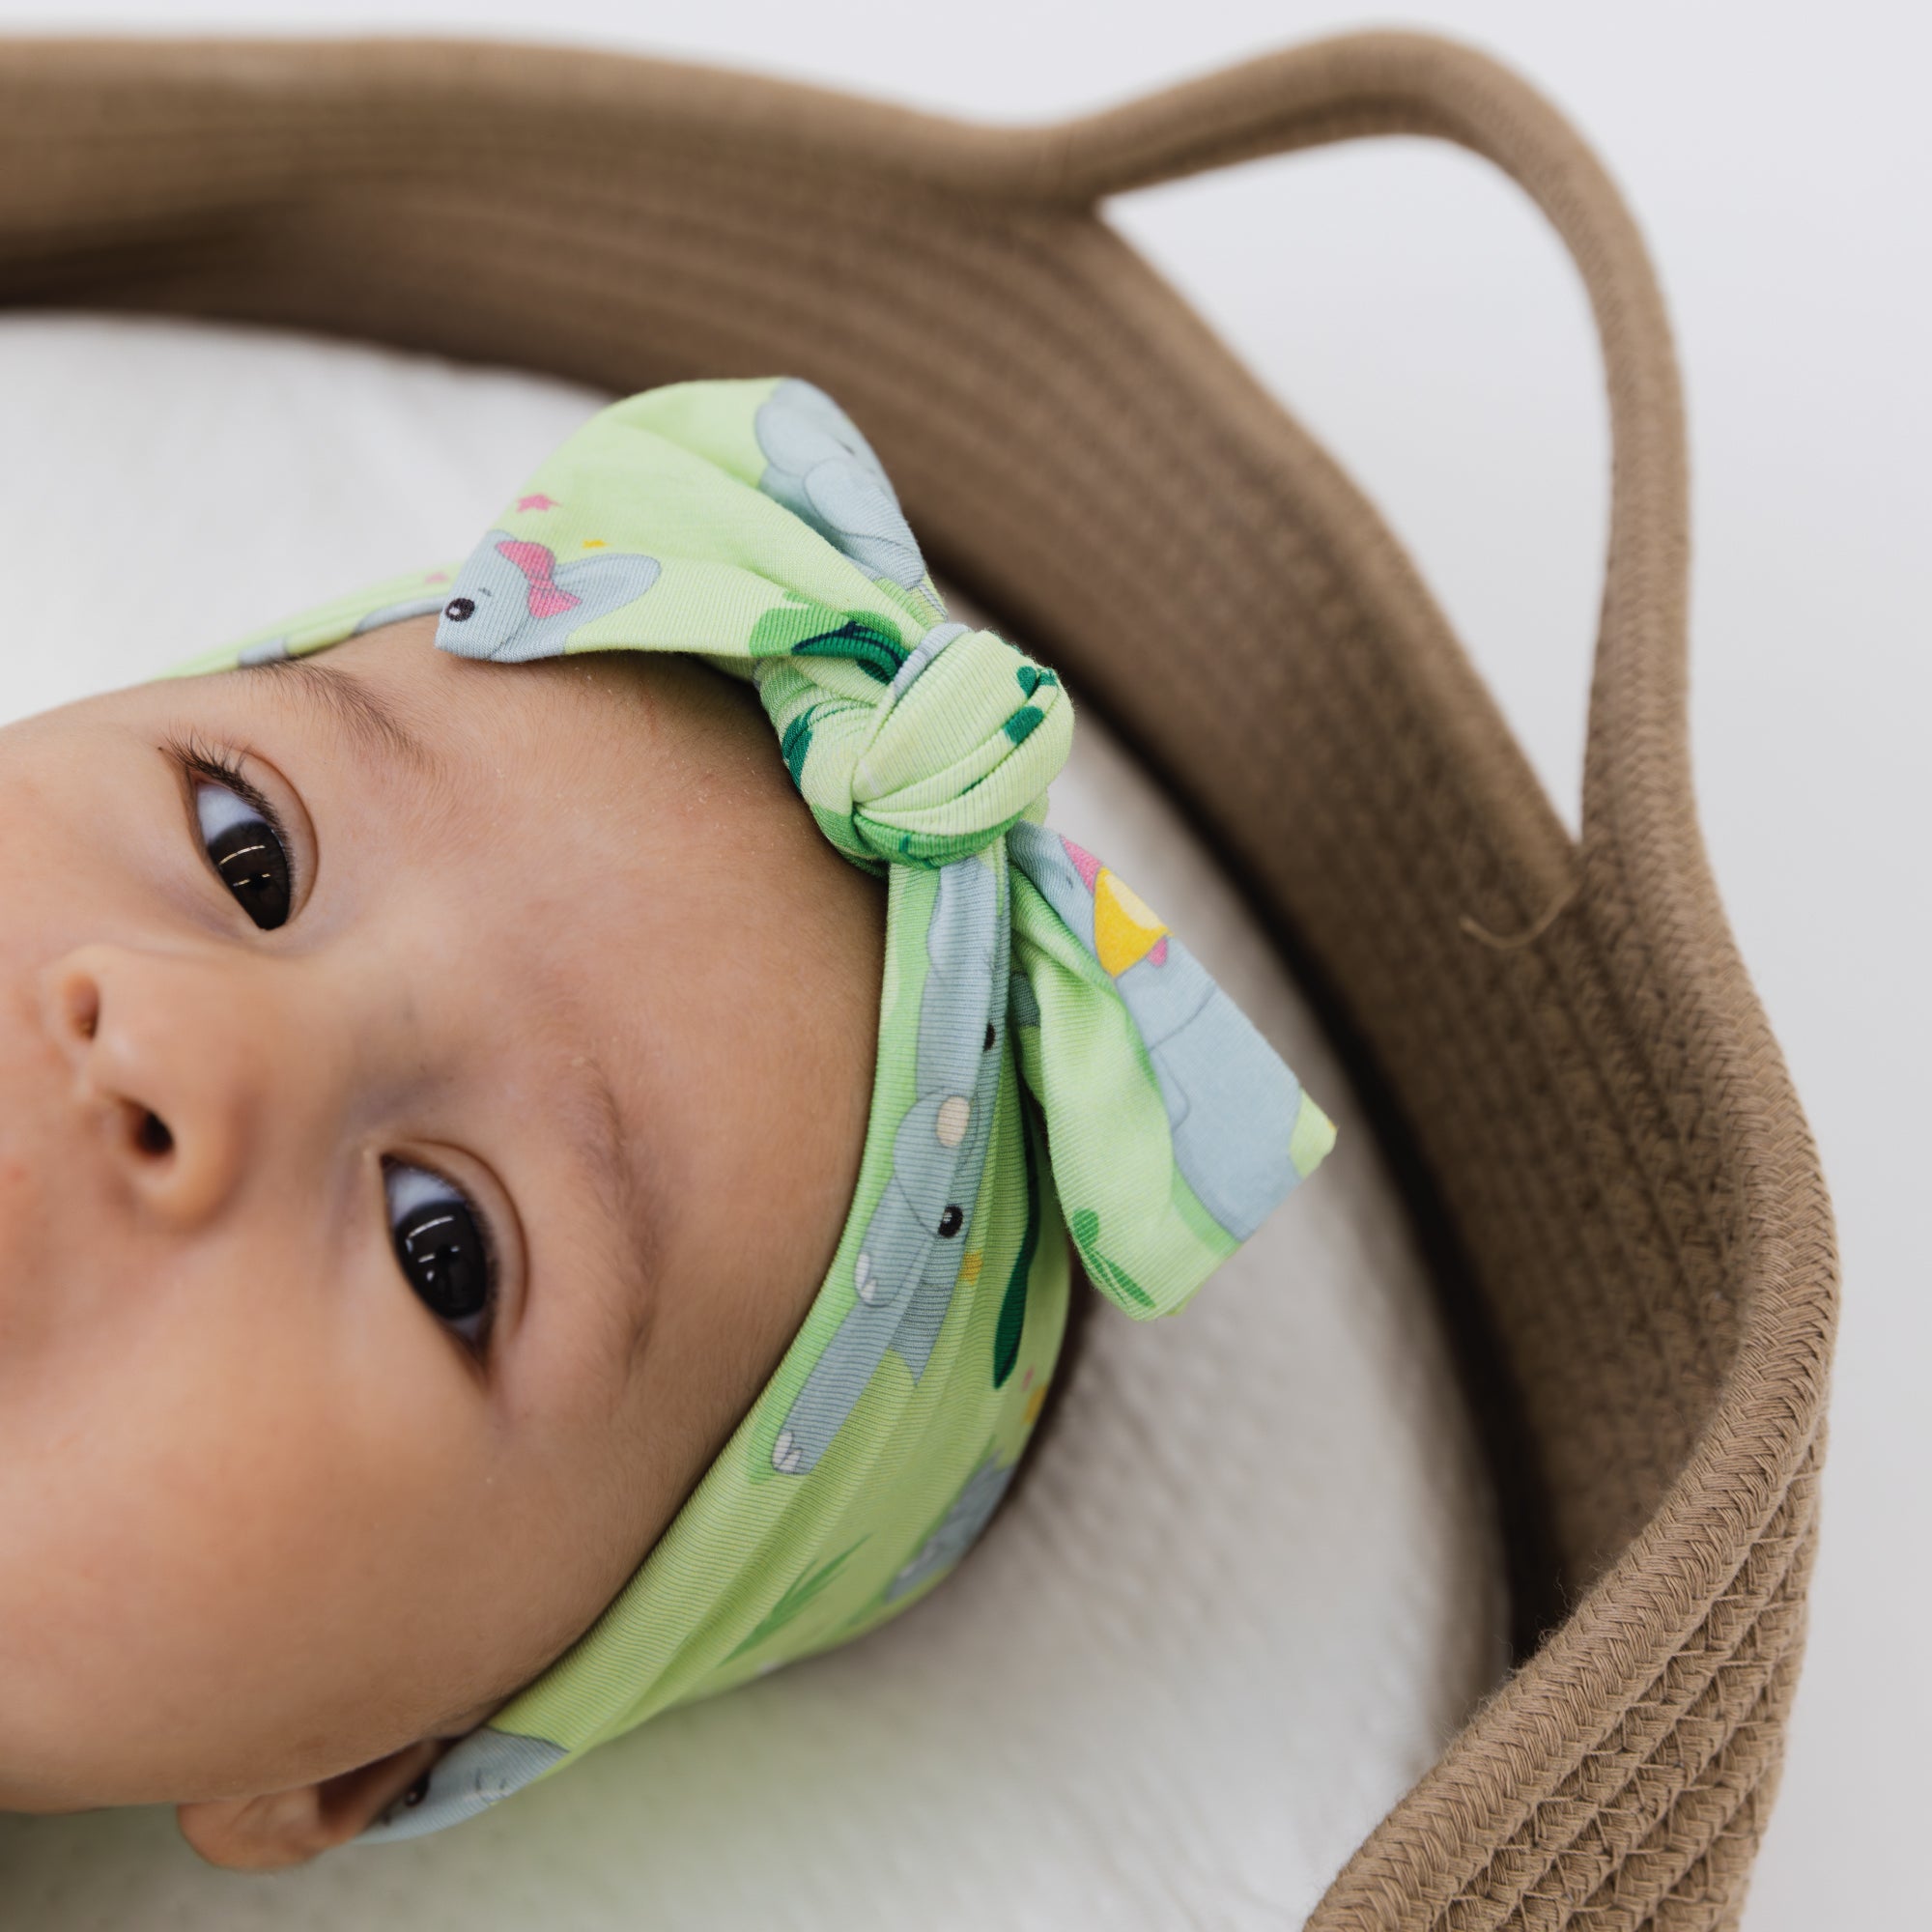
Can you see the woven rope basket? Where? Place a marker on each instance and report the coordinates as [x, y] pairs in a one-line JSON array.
[[1555, 1039]]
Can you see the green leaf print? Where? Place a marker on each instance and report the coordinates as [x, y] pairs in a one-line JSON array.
[[874, 647], [798, 1597], [1085, 1226], [795, 745], [1012, 1306], [803, 629]]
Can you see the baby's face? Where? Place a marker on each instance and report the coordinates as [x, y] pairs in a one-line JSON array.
[[430, 1095]]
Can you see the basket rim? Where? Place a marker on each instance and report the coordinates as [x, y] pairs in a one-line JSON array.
[[1641, 872]]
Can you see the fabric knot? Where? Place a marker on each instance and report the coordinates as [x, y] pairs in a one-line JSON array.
[[916, 757]]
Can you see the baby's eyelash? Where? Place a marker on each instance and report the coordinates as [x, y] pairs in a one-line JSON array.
[[266, 890], [221, 764]]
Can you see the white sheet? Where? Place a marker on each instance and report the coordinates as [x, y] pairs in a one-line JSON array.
[[1253, 1584]]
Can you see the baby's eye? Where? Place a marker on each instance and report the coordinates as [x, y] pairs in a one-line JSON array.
[[443, 1248], [247, 849]]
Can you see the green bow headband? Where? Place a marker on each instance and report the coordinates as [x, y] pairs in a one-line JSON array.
[[1037, 1024]]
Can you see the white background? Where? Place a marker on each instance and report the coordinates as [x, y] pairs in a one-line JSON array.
[[1413, 310]]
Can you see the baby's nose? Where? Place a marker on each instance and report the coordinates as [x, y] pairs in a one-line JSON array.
[[166, 1100]]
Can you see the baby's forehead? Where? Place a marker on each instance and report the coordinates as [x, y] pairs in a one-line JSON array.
[[642, 764], [561, 735], [423, 701]]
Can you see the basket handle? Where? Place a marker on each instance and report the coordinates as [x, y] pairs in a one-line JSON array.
[[1636, 775]]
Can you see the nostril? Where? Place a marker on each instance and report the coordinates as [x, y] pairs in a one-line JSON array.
[[151, 1135]]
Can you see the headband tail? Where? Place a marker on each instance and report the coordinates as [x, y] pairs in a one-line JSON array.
[[1172, 1128]]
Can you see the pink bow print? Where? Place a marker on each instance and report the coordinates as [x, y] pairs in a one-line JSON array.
[[537, 562]]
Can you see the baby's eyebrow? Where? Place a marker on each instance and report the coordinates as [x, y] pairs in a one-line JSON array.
[[364, 713], [632, 1198]]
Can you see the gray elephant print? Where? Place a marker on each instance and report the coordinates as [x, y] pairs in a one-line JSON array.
[[909, 1256], [513, 602], [958, 1529], [824, 472]]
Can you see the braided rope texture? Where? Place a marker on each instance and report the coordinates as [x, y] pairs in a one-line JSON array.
[[1556, 1041]]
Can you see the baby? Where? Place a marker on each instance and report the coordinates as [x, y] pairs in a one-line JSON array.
[[546, 1103]]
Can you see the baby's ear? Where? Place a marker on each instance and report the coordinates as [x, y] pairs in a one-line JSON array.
[[289, 1827]]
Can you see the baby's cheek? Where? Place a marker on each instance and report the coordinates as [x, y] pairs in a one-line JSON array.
[[253, 1513], [16, 1204]]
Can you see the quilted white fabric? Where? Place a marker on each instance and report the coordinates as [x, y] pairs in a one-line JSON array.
[[1250, 1589]]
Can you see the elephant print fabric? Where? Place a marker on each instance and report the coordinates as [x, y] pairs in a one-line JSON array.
[[517, 603], [1053, 1064], [909, 1256], [824, 472]]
